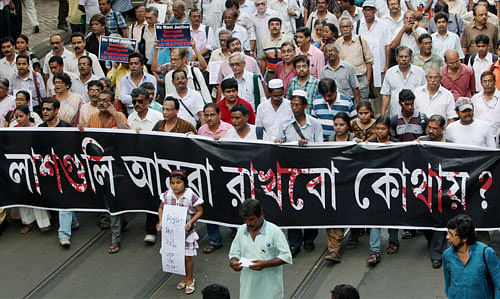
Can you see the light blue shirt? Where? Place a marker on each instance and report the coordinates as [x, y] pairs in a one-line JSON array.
[[122, 5], [469, 280], [269, 243], [450, 41], [312, 130], [238, 32], [394, 83], [126, 86]]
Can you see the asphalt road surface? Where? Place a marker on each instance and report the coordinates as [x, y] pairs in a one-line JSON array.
[[36, 266]]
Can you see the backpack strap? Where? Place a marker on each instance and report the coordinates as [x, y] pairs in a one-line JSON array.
[[358, 22], [472, 59], [495, 58]]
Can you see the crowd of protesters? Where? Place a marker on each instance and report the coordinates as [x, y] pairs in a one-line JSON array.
[[279, 70]]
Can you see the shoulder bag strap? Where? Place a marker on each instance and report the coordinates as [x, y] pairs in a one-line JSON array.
[[362, 48], [37, 89], [189, 111], [256, 90], [197, 85], [358, 22], [297, 129]]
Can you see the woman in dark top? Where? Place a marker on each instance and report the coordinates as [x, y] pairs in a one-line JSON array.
[[383, 131], [98, 28], [342, 127], [363, 127]]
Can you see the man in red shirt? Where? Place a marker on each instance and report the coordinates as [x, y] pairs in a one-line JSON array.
[[230, 91], [457, 77]]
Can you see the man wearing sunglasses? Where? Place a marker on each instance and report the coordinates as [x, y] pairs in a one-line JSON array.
[[50, 110]]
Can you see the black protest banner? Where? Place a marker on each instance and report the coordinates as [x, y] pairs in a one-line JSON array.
[[322, 185]]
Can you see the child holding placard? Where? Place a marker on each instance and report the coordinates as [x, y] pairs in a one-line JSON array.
[[181, 195]]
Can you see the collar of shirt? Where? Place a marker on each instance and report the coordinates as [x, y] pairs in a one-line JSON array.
[[149, 116], [308, 121], [438, 92], [278, 39], [200, 28], [400, 115], [30, 76], [496, 96], [354, 38], [262, 229], [247, 76], [412, 68], [488, 57]]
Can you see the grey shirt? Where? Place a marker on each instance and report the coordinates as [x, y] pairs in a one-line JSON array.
[[312, 130], [344, 75]]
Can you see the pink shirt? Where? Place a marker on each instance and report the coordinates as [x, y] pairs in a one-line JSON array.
[[316, 58], [251, 66], [464, 84], [221, 131], [280, 73]]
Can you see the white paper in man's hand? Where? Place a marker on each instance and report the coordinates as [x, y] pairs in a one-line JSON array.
[[246, 262]]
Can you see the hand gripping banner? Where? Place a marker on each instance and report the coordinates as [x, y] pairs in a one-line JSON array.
[[403, 185]]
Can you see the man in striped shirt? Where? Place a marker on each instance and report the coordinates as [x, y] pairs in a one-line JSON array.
[[331, 102], [408, 124]]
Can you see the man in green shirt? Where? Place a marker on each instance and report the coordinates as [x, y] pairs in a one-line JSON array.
[[424, 59], [259, 250]]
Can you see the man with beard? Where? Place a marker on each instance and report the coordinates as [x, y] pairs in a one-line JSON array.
[[271, 48], [241, 129], [79, 84], [407, 35], [304, 81], [8, 62], [192, 103], [457, 77], [264, 244], [425, 58], [469, 130], [78, 42], [271, 113], [314, 55], [57, 47], [93, 89], [486, 106], [468, 263]]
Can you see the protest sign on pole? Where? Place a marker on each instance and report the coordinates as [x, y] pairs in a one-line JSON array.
[[173, 239], [116, 48], [173, 35]]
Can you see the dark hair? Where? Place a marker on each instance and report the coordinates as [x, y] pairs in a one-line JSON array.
[[232, 39], [24, 56], [56, 59], [345, 117], [423, 36], [251, 207], [180, 174], [95, 83], [136, 55], [301, 58], [98, 18], [86, 57], [179, 71], [488, 73], [212, 105], [325, 85], [77, 34], [364, 103], [172, 99], [334, 29], [287, 44], [440, 15], [148, 85], [24, 109], [274, 19], [195, 9], [25, 93], [108, 92], [441, 6], [406, 94], [229, 83], [465, 227], [401, 48], [51, 100], [385, 120], [482, 38], [138, 91], [302, 99], [215, 291], [232, 4], [26, 39], [230, 10], [439, 118], [7, 39], [474, 9], [5, 82], [306, 31], [345, 291], [65, 78], [241, 108]]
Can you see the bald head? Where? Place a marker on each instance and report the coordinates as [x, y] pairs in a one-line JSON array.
[[451, 55]]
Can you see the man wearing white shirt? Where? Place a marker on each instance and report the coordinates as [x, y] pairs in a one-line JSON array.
[[482, 60], [352, 11], [78, 43], [377, 34], [407, 35], [487, 102], [391, 12], [288, 11], [57, 46], [241, 129], [271, 113], [433, 98], [8, 63], [80, 83], [211, 11], [191, 102], [229, 17], [260, 22], [142, 118], [133, 80], [246, 81], [469, 130], [90, 8], [202, 34], [443, 39], [248, 7]]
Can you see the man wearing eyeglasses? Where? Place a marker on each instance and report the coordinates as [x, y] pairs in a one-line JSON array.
[[78, 43], [57, 47], [50, 110], [80, 83]]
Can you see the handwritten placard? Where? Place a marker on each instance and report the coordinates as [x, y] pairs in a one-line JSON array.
[[173, 35], [116, 48], [214, 68], [173, 238]]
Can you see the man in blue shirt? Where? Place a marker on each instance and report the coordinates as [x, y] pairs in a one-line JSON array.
[[468, 263]]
